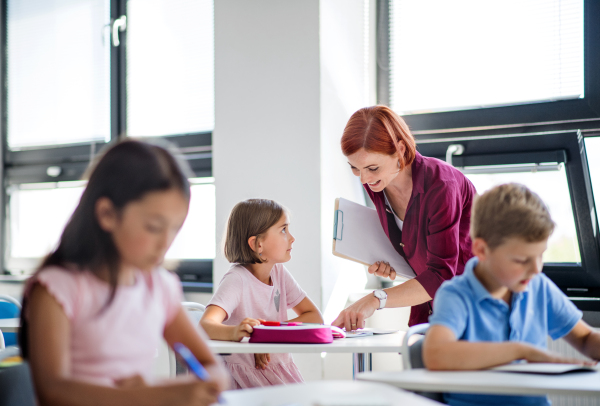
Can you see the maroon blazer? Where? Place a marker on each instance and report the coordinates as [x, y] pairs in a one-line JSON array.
[[435, 237]]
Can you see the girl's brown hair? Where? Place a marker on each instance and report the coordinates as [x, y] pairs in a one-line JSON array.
[[252, 217], [378, 129]]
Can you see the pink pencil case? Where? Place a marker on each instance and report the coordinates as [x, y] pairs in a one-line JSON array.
[[303, 334]]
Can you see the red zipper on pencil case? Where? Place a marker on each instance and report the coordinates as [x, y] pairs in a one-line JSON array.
[[280, 323]]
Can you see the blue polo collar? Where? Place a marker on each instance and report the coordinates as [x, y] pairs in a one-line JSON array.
[[479, 291]]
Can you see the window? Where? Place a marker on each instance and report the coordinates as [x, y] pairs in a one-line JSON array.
[[592, 146], [553, 188], [170, 67], [554, 165], [190, 243], [468, 63], [471, 54], [81, 73], [57, 95], [34, 229], [517, 85]]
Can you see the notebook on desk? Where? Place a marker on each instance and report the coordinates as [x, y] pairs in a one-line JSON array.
[[359, 237], [369, 332], [544, 368]]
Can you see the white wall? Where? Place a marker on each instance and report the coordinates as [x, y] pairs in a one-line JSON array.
[[288, 75], [347, 84], [267, 125], [266, 137]]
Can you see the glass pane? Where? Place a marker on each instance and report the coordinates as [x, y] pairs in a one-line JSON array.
[[170, 72], [58, 72], [35, 228], [592, 149], [197, 240], [553, 188], [465, 54]]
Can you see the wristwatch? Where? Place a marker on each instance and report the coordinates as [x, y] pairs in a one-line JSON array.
[[382, 296]]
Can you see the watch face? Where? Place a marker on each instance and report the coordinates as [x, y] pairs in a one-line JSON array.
[[380, 294]]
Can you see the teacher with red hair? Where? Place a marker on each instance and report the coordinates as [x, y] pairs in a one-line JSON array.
[[424, 206]]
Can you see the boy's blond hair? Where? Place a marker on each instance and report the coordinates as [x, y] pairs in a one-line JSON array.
[[510, 210]]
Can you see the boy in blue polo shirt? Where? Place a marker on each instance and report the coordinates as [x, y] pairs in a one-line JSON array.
[[502, 309]]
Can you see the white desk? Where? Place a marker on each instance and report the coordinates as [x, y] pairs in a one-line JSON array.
[[308, 394], [497, 383], [9, 325], [361, 347]]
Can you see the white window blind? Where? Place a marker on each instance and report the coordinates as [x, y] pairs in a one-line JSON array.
[[467, 54], [170, 67], [58, 72]]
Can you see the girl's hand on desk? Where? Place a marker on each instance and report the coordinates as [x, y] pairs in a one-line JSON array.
[[262, 360], [244, 329]]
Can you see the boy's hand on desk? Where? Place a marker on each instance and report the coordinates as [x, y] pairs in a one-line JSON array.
[[262, 360], [533, 354], [244, 329]]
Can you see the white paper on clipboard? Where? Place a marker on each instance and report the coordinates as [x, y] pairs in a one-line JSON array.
[[359, 237]]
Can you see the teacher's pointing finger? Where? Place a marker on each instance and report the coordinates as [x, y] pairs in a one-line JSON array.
[[350, 321], [343, 320]]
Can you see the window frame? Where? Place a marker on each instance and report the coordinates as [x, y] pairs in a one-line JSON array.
[[540, 112], [580, 282], [29, 165], [534, 130]]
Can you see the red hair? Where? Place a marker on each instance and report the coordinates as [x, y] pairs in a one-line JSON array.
[[378, 129]]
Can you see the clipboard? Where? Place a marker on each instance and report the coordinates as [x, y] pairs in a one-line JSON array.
[[359, 237]]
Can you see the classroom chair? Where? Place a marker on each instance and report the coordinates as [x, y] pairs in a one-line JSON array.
[[9, 308], [194, 311], [16, 386], [412, 355]]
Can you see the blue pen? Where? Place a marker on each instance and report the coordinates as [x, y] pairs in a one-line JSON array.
[[193, 364]]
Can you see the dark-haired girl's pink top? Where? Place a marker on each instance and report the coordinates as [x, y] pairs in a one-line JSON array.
[[107, 344], [434, 238]]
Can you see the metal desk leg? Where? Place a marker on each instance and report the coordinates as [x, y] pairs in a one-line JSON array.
[[361, 362]]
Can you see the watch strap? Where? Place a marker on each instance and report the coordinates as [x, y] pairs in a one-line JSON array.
[[381, 301]]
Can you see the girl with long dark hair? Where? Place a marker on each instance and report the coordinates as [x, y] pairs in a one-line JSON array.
[[96, 309]]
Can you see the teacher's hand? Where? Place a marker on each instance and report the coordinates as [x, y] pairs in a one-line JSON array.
[[384, 269], [354, 316]]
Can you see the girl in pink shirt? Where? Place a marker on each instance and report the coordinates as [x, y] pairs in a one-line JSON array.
[[257, 287], [94, 312]]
